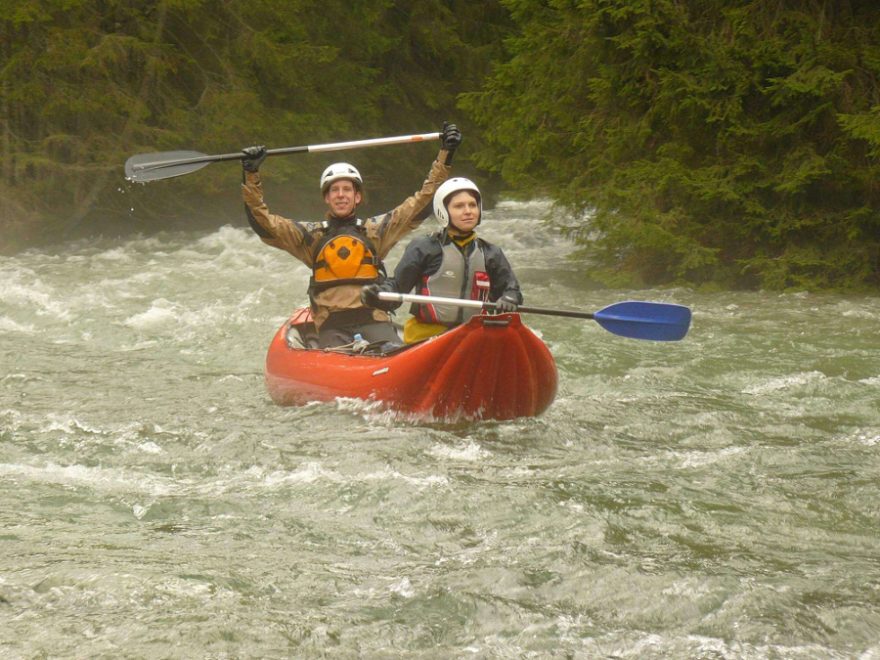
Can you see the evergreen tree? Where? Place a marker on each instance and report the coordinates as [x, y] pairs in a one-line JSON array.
[[698, 141], [86, 83]]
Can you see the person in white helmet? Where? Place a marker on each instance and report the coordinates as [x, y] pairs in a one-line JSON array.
[[452, 263], [344, 252]]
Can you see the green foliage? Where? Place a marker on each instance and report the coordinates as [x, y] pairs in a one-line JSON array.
[[698, 141], [707, 142], [85, 84]]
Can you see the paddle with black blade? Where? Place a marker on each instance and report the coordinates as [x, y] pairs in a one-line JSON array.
[[143, 168], [635, 319]]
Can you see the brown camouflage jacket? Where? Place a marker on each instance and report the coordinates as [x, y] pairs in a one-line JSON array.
[[298, 238]]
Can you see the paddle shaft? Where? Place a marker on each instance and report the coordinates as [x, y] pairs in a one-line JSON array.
[[160, 160], [635, 319], [477, 304]]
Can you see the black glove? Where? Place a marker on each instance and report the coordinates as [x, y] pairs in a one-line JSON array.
[[253, 158], [450, 138], [505, 305], [370, 296]]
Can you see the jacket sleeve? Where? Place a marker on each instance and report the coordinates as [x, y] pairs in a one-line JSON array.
[[274, 230], [386, 230], [419, 258], [501, 275]]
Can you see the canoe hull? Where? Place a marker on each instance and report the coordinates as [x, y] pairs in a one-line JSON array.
[[492, 367]]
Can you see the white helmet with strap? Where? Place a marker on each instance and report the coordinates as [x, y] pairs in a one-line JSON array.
[[449, 188], [338, 171]]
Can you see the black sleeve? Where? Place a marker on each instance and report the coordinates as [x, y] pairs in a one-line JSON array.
[[504, 282], [421, 257]]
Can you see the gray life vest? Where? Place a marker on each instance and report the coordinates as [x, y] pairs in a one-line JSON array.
[[456, 278]]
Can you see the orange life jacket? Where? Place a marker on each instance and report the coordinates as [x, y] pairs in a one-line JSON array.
[[344, 255]]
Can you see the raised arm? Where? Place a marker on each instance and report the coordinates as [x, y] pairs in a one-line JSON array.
[[274, 230], [386, 230]]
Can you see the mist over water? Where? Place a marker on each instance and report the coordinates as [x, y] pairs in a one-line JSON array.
[[715, 497]]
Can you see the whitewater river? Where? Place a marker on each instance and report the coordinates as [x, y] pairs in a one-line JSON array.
[[711, 498]]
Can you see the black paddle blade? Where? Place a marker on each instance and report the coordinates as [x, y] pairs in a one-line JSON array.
[[152, 167]]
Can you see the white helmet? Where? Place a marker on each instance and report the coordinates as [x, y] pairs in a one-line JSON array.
[[447, 189], [338, 171]]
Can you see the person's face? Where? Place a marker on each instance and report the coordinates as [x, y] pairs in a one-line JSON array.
[[342, 197], [464, 211]]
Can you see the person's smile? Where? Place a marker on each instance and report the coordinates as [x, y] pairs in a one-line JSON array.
[[342, 197]]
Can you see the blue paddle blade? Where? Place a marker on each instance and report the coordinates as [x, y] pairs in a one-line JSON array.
[[645, 320]]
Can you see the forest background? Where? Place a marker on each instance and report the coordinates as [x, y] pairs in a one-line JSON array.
[[684, 142]]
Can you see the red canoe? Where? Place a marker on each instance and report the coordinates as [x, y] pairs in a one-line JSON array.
[[492, 367]]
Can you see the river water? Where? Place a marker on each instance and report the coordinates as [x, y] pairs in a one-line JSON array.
[[710, 498]]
